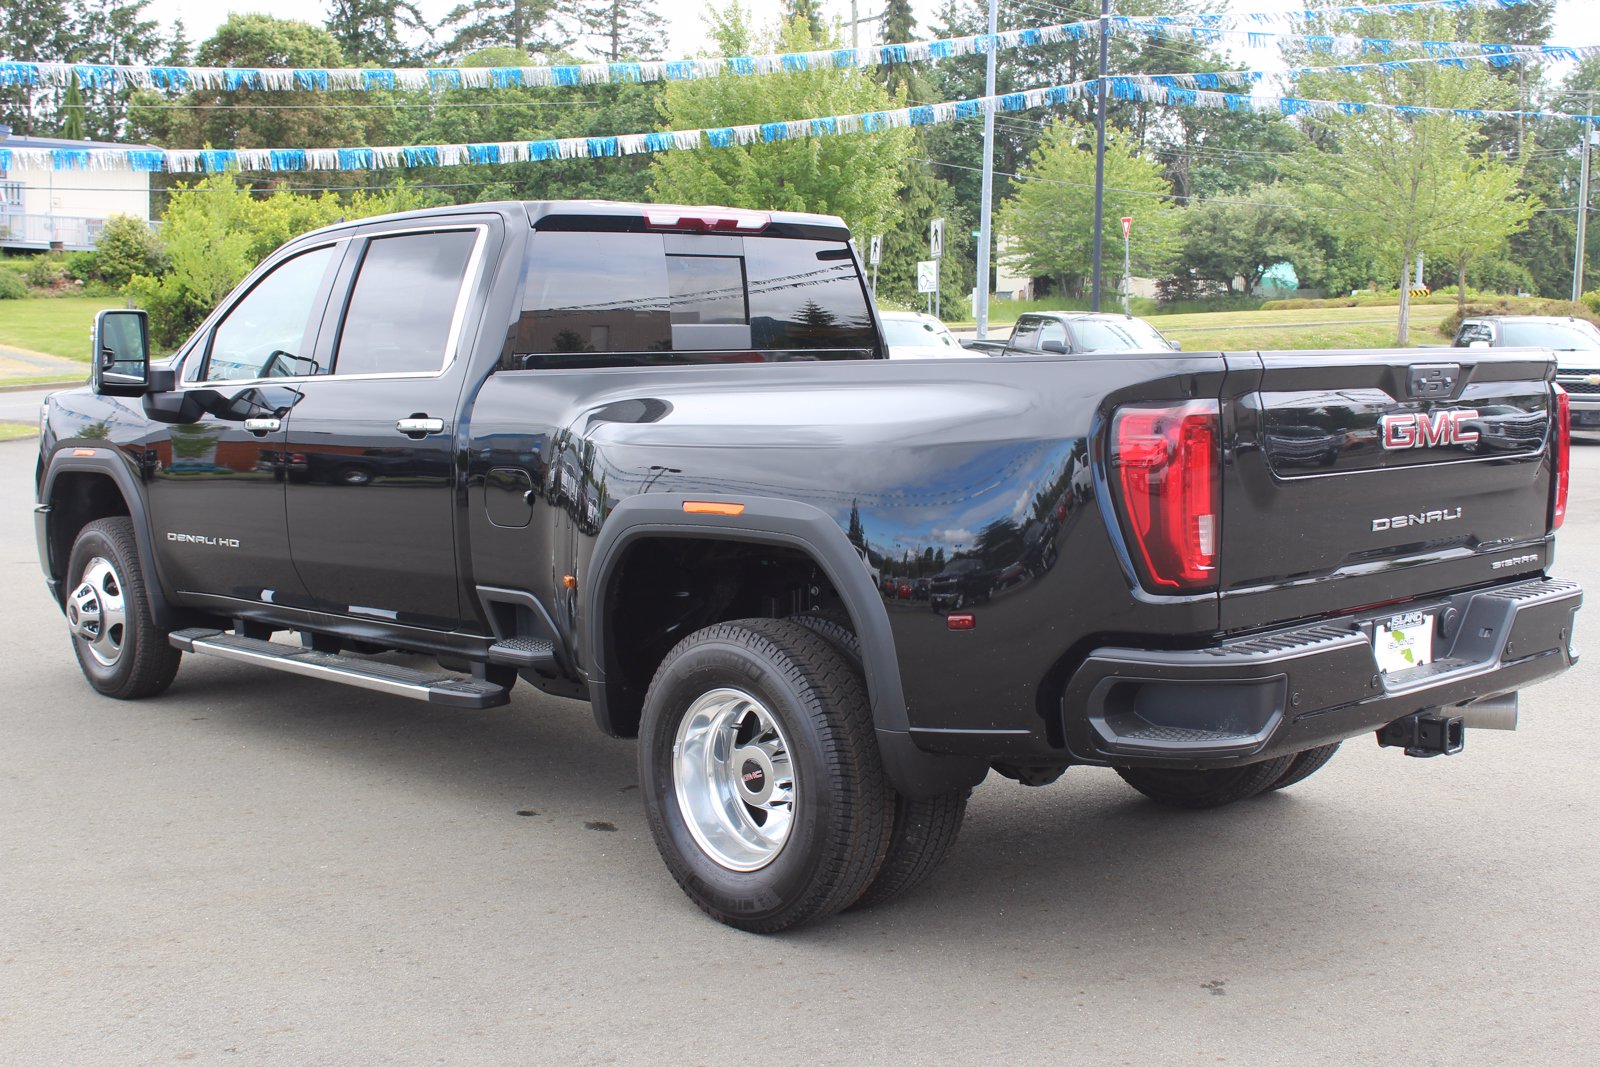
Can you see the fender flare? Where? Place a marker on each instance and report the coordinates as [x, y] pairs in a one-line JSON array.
[[789, 524], [106, 461]]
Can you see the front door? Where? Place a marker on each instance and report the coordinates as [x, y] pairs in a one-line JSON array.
[[372, 516], [217, 483]]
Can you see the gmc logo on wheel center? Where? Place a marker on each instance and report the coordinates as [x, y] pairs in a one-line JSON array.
[[1422, 429]]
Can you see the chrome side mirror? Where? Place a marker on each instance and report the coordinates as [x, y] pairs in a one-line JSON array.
[[120, 365]]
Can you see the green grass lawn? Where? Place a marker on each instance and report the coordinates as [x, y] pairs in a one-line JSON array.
[[1317, 328], [57, 326], [1358, 327], [12, 431]]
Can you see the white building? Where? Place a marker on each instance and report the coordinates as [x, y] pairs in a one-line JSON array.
[[41, 207]]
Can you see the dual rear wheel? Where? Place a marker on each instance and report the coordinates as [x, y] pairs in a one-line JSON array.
[[763, 786]]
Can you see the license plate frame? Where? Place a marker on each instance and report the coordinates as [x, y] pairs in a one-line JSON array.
[[1403, 642]]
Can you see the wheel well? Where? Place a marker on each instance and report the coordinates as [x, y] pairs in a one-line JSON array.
[[665, 588], [78, 498]]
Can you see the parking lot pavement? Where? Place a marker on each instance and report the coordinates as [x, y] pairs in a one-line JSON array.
[[260, 869]]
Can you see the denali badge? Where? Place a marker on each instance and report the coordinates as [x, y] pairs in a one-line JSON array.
[[1416, 518], [1422, 429], [204, 539]]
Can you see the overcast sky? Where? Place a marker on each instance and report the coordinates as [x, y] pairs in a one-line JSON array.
[[201, 17]]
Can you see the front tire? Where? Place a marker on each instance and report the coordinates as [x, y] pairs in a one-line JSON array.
[[1196, 790], [119, 648], [760, 773]]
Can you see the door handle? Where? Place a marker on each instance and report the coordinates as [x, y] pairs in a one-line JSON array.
[[263, 426], [419, 426]]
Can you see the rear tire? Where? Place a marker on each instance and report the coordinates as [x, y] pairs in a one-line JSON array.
[[760, 773], [119, 648], [1196, 790], [925, 829], [1305, 765]]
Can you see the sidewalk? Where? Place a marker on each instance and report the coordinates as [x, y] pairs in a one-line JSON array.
[[21, 369]]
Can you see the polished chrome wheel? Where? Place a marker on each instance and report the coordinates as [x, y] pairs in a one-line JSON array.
[[734, 779], [98, 613]]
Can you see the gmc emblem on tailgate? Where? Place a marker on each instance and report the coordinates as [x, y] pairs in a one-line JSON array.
[[1425, 429]]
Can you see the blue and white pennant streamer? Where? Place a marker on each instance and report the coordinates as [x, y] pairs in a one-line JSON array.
[[193, 161], [1312, 14], [139, 76]]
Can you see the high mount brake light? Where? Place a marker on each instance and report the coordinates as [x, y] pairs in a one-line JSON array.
[[1562, 437], [1165, 466], [699, 220]]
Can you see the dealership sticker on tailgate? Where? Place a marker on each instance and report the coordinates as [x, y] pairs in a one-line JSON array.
[[1403, 642]]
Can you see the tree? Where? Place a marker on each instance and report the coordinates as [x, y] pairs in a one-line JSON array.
[[809, 12], [374, 31], [856, 177], [72, 111], [1224, 240], [1387, 180], [179, 49], [37, 31], [1487, 208], [899, 22], [525, 25], [624, 29], [1049, 220], [259, 118], [111, 31]]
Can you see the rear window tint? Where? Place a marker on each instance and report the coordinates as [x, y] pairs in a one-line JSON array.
[[616, 299]]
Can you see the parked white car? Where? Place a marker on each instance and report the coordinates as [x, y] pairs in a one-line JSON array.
[[913, 335]]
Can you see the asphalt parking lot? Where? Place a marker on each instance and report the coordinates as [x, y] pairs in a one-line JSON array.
[[261, 869]]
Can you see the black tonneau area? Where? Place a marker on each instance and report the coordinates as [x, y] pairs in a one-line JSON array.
[[1359, 478]]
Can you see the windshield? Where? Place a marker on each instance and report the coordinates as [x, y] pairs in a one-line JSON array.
[[1118, 335], [918, 333], [1580, 335]]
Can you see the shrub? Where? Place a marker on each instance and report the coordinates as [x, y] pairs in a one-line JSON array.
[[80, 266], [127, 246], [12, 287], [1591, 300], [45, 272]]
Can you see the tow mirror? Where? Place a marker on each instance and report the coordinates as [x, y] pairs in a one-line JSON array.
[[121, 358]]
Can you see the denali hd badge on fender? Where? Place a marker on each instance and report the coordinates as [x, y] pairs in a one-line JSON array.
[[1422, 429]]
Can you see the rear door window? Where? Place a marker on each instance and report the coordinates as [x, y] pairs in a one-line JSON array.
[[405, 304], [614, 299]]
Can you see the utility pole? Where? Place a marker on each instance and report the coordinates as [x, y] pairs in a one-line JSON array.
[[985, 213], [1100, 154], [1583, 216]]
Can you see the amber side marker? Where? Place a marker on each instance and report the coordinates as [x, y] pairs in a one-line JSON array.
[[83, 451], [569, 581], [712, 507]]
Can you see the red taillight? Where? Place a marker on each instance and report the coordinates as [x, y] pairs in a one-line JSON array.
[[706, 220], [1563, 447], [1165, 466]]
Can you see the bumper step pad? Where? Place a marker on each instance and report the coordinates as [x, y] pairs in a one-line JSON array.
[[435, 687]]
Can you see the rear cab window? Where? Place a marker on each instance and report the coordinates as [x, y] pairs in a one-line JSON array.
[[641, 298]]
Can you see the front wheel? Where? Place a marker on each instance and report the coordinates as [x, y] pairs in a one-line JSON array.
[[119, 649], [760, 773]]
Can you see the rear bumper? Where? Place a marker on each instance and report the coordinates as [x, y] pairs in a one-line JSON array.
[[1285, 691]]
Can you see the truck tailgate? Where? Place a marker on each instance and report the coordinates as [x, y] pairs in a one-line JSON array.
[[1360, 478]]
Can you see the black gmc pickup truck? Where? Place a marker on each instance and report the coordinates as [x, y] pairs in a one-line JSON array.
[[654, 458]]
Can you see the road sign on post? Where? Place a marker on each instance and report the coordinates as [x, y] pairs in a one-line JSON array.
[[1127, 226], [875, 252], [936, 238], [928, 276]]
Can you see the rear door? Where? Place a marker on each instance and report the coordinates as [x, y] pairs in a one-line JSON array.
[[371, 505], [1364, 478]]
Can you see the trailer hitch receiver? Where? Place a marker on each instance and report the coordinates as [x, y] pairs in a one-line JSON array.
[[1425, 734]]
